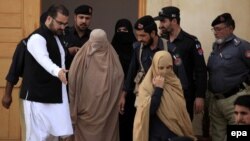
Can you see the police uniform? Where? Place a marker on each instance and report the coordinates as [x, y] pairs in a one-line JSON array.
[[72, 38], [189, 62], [229, 68], [190, 67]]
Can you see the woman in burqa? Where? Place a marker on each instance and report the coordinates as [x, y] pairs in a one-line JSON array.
[[95, 81], [161, 110], [123, 44]]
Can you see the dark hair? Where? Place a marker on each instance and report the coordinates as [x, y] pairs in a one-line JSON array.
[[178, 19], [43, 17], [54, 9], [243, 101]]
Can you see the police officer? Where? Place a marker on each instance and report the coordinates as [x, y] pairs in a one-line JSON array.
[[148, 42], [78, 34], [228, 67], [189, 62]]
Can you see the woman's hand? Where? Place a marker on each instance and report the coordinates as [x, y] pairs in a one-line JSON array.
[[158, 81]]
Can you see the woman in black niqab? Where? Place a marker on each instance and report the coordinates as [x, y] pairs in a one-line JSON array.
[[123, 44]]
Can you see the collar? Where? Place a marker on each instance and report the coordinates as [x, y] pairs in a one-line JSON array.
[[229, 38], [180, 35]]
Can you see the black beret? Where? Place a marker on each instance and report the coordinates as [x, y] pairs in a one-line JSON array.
[[168, 12], [224, 18], [145, 22], [84, 9]]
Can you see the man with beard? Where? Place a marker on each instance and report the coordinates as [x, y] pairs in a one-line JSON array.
[[189, 62], [148, 42], [228, 68], [78, 34], [44, 94]]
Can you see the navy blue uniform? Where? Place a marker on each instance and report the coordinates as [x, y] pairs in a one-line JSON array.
[[229, 66]]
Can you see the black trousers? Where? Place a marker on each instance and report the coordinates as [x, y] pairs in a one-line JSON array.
[[126, 121], [189, 98]]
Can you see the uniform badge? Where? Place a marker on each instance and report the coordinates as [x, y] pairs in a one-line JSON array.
[[140, 26], [200, 51], [222, 19], [247, 54]]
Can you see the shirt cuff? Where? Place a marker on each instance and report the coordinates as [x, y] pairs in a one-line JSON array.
[[56, 71]]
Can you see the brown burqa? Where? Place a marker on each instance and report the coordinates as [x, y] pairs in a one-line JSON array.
[[95, 81]]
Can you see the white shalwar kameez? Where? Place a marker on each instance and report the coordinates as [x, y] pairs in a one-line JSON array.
[[45, 121]]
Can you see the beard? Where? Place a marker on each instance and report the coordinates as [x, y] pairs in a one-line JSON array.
[[165, 32], [55, 31], [82, 27], [150, 42], [219, 41]]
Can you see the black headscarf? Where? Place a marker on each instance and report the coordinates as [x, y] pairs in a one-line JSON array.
[[123, 43]]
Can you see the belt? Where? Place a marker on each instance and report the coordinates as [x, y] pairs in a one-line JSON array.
[[229, 93]]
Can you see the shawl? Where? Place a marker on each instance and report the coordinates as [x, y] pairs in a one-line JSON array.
[[172, 110]]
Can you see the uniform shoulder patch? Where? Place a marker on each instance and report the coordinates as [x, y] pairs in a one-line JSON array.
[[198, 47], [197, 42], [236, 41]]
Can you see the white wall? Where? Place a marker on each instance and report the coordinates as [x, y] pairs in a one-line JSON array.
[[197, 15]]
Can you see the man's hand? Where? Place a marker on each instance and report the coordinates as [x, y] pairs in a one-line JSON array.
[[121, 103], [6, 101], [73, 50], [7, 98], [62, 76], [198, 105]]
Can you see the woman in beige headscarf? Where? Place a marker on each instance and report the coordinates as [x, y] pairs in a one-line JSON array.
[[161, 112], [95, 80]]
